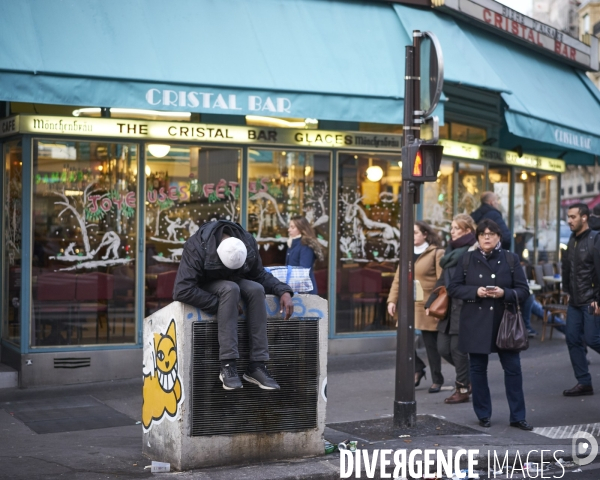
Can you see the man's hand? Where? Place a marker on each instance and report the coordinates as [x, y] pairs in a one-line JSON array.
[[596, 308], [285, 303]]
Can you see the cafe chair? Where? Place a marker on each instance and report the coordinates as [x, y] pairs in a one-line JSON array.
[[53, 305], [93, 297]]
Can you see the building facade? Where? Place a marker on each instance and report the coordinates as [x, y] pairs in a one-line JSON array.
[[100, 197]]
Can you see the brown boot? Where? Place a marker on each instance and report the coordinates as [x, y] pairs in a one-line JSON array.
[[460, 395]]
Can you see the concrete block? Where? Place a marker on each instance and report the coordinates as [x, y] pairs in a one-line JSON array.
[[167, 399], [9, 377]]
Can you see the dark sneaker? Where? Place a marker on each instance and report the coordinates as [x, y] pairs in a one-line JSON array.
[[261, 377], [531, 332], [230, 378]]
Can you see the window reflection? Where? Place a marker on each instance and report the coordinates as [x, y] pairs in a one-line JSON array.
[[471, 184], [548, 218], [524, 213], [438, 201], [13, 167], [185, 187], [283, 184], [368, 241], [84, 248]]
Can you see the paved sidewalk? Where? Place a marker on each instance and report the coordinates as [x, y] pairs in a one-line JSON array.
[[360, 389]]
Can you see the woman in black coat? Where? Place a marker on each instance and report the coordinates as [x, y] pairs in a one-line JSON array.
[[462, 232], [480, 318]]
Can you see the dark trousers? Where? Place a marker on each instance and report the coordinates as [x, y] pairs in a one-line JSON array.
[[582, 327], [433, 356], [229, 294], [448, 347], [513, 384]]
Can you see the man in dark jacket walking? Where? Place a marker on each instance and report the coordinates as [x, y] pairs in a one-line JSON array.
[[580, 267], [594, 220], [220, 266], [489, 209]]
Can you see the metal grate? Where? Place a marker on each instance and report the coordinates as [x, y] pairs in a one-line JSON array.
[[294, 363], [79, 362]]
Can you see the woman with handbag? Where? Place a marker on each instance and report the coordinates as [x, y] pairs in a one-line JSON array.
[[303, 247], [447, 309], [491, 282], [427, 254]]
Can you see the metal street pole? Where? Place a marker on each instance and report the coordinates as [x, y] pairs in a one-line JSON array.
[[405, 406]]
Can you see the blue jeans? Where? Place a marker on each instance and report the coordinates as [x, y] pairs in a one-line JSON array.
[[582, 327], [532, 306], [513, 384]]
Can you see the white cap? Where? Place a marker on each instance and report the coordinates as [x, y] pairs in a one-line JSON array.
[[232, 253]]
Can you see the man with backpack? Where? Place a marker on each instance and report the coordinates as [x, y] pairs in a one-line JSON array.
[[219, 267], [580, 267]]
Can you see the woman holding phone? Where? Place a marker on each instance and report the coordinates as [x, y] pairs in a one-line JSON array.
[[486, 280]]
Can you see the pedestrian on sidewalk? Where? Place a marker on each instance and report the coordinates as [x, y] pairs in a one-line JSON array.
[[490, 209], [462, 233], [220, 266], [580, 267], [488, 278], [426, 261], [303, 247]]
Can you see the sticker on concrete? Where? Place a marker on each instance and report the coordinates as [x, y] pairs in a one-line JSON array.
[[162, 392]]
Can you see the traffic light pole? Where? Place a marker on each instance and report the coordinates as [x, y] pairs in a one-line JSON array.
[[405, 406]]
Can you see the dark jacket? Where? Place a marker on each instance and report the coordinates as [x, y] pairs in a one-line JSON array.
[[200, 264], [580, 267], [487, 211], [480, 317], [449, 263], [300, 255], [594, 222]]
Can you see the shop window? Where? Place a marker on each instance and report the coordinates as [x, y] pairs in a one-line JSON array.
[[185, 187], [437, 200], [284, 184], [499, 183], [548, 219], [85, 243], [368, 240], [471, 184], [12, 218], [524, 214]]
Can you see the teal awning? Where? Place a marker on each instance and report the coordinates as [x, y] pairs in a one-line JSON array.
[[331, 60], [549, 107]]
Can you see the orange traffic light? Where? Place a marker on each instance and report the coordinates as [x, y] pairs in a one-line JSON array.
[[423, 162], [418, 165]]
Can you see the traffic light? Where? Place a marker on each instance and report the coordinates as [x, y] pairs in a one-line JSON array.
[[421, 162]]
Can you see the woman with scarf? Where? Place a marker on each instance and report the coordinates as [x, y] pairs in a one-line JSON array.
[[462, 233], [487, 279], [303, 247], [426, 258]]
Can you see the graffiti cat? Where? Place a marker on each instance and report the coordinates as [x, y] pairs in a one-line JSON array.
[[162, 389]]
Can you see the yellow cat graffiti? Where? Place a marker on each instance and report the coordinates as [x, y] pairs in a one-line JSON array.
[[162, 388]]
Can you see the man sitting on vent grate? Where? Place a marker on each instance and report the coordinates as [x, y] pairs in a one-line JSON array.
[[221, 265]]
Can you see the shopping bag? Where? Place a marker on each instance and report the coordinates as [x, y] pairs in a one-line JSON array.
[[298, 278]]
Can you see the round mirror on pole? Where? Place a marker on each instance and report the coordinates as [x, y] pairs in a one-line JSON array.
[[432, 73]]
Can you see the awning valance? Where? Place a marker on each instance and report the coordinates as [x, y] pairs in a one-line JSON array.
[[550, 107], [331, 60]]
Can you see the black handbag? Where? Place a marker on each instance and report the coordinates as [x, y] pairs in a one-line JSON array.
[[512, 334]]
